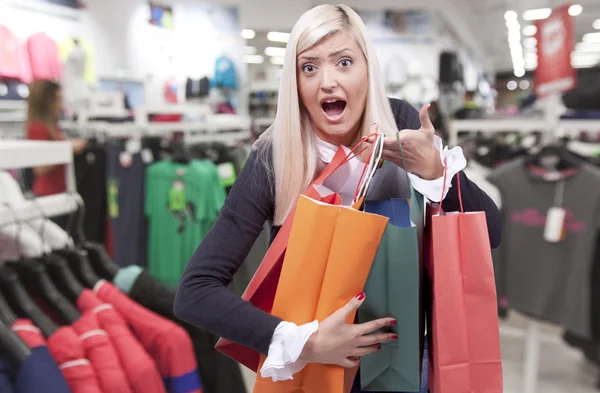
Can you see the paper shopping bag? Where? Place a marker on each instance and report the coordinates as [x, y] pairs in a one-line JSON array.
[[329, 255], [393, 290], [463, 320], [340, 172]]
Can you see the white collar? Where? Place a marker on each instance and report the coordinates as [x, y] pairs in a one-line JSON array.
[[327, 150]]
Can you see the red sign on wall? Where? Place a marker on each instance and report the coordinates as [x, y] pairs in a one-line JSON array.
[[554, 73]]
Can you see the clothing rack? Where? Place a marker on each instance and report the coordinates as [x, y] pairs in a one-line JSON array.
[[563, 127], [27, 154]]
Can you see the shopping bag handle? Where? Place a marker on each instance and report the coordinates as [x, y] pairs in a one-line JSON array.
[[329, 170], [462, 210], [369, 169]]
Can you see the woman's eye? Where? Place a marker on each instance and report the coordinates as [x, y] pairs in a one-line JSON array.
[[308, 68], [345, 62]]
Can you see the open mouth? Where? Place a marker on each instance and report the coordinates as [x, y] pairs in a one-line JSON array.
[[334, 109]]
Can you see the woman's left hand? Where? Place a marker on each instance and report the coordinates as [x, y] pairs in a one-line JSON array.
[[420, 154]]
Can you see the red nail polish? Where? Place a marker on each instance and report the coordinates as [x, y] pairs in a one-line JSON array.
[[378, 347], [393, 322], [360, 296], [394, 337]]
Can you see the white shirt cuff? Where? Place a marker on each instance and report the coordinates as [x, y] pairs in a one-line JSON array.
[[455, 162], [286, 346]]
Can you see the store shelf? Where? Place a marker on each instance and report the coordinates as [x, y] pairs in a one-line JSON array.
[[48, 206], [11, 105], [26, 154], [224, 137], [264, 121]]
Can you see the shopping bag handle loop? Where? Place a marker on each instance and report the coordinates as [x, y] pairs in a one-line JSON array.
[[351, 154], [460, 202], [369, 169]]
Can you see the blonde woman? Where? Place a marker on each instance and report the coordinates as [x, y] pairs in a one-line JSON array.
[[331, 94]]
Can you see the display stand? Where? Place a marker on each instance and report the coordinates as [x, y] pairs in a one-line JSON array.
[[27, 154]]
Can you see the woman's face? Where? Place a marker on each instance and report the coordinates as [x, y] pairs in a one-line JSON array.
[[333, 85]]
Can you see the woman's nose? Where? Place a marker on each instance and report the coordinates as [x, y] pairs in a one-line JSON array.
[[328, 81]]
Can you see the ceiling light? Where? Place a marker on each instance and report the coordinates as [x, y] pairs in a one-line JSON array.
[[530, 67], [278, 37], [530, 42], [585, 63], [588, 47], [274, 51], [250, 50], [596, 24], [513, 24], [591, 37], [524, 84], [254, 59], [277, 60], [541, 13], [511, 15], [529, 51], [512, 85], [529, 30], [575, 10], [248, 34], [519, 73]]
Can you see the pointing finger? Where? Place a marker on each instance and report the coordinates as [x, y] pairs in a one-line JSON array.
[[426, 123]]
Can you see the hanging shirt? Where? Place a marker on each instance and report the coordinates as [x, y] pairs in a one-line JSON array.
[[101, 353], [182, 202], [140, 369], [6, 372], [66, 348], [11, 55], [43, 57], [549, 281], [29, 333], [125, 202], [168, 344], [225, 74], [65, 48], [39, 373]]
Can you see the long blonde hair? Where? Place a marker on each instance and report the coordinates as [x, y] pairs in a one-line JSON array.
[[291, 136]]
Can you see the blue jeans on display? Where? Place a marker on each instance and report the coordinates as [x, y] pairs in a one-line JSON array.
[[424, 371]]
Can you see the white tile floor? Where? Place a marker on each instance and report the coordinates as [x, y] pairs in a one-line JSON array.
[[562, 369]]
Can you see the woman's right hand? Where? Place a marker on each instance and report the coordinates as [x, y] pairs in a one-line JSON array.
[[340, 343]]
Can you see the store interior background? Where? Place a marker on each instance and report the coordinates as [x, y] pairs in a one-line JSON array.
[[138, 58]]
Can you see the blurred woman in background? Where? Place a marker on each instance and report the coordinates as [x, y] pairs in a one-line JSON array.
[[44, 106]]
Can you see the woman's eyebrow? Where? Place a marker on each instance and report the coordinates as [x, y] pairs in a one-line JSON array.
[[332, 54]]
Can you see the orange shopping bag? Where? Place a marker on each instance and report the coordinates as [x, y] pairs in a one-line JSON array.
[[329, 256], [463, 330], [261, 289]]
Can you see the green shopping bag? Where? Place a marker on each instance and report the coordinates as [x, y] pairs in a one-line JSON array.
[[393, 286], [393, 290]]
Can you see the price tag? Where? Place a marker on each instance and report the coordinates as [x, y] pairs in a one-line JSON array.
[[177, 197], [147, 156], [133, 145], [112, 190], [125, 159], [555, 230], [227, 173]]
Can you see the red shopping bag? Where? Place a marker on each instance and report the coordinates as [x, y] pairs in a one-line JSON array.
[[463, 330], [263, 285]]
